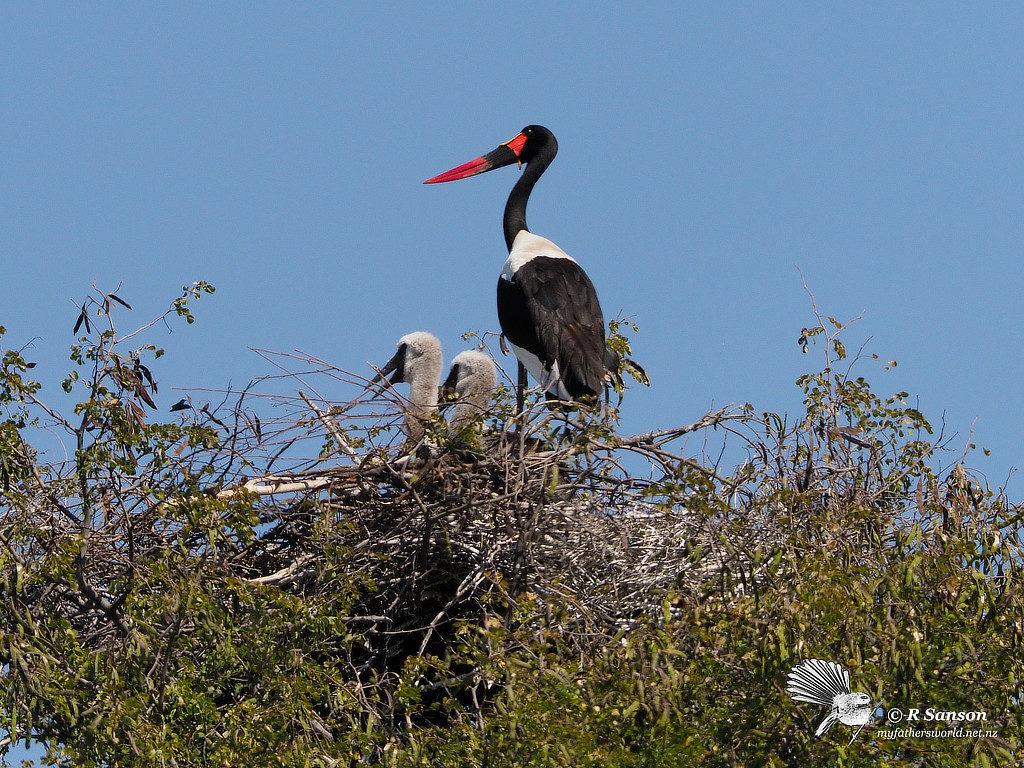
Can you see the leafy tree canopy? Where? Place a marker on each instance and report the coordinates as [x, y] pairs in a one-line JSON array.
[[278, 580]]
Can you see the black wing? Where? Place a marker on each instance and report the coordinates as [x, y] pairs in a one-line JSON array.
[[550, 308]]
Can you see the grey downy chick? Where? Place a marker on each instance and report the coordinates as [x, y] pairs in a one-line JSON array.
[[473, 379], [417, 362]]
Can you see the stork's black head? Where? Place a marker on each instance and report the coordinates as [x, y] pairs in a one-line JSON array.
[[531, 143], [538, 139]]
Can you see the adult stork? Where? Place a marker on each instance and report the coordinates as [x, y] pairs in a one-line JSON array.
[[547, 305]]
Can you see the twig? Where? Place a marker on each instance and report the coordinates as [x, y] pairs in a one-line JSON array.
[[332, 428]]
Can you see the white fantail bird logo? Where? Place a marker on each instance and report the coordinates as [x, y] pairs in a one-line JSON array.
[[827, 683]]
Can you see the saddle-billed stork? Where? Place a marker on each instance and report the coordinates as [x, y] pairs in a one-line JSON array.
[[547, 305]]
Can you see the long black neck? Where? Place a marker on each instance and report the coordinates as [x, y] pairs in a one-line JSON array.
[[515, 208]]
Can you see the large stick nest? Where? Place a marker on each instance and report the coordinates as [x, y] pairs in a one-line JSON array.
[[457, 528]]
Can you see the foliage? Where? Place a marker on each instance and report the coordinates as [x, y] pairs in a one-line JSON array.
[[172, 596]]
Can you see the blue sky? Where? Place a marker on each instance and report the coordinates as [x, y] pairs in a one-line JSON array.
[[709, 156]]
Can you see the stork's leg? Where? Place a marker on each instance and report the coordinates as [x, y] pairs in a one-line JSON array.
[[521, 394]]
